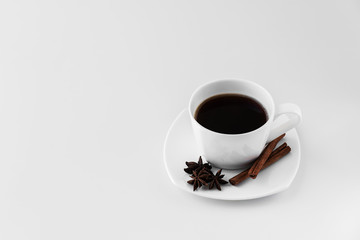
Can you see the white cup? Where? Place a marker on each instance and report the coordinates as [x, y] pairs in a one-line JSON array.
[[234, 151]]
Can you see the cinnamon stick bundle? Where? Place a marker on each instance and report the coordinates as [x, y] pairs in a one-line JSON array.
[[277, 154], [260, 161]]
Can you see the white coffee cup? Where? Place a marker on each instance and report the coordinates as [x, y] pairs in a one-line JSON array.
[[234, 151]]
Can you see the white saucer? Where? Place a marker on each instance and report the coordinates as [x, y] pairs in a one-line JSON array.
[[180, 146]]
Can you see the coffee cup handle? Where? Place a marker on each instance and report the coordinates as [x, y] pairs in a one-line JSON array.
[[294, 117]]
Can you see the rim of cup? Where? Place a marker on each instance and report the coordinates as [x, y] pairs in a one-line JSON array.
[[270, 114]]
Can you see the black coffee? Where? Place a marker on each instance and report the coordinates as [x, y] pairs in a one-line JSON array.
[[231, 114]]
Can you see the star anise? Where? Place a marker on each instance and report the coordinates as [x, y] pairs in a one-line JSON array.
[[191, 167], [197, 167], [198, 179], [216, 180]]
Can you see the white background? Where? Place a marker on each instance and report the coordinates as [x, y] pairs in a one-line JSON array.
[[88, 90]]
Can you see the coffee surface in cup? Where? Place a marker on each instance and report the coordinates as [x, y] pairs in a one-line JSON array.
[[231, 114]]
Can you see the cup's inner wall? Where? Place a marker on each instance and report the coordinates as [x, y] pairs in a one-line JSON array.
[[233, 86]]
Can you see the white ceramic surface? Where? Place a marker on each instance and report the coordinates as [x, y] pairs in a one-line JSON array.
[[234, 151], [180, 146]]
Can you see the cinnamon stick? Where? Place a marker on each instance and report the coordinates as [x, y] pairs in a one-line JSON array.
[[258, 164], [278, 154], [278, 149]]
